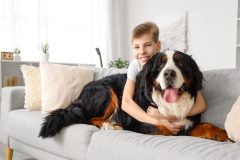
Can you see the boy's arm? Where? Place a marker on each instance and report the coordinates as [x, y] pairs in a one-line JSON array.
[[199, 106], [129, 106]]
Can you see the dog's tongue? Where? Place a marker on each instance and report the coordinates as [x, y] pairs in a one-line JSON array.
[[171, 95]]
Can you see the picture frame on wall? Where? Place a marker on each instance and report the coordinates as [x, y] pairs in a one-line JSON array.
[[6, 55]]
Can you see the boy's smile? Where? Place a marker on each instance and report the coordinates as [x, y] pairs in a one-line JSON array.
[[144, 48], [143, 59]]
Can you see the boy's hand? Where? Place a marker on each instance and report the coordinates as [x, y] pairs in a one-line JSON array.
[[165, 121], [156, 114], [174, 129]]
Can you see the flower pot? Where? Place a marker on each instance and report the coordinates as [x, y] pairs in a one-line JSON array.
[[16, 57], [44, 57]]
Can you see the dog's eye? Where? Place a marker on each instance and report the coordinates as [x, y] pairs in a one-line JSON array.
[[180, 64]]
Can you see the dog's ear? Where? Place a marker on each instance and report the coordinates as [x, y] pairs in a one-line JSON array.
[[148, 75], [144, 78], [198, 75], [152, 67]]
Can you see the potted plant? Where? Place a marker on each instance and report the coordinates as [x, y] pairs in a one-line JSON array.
[[119, 63], [16, 54], [45, 52]]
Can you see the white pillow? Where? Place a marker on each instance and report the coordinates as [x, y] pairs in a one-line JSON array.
[[62, 84], [174, 36], [232, 123], [31, 76]]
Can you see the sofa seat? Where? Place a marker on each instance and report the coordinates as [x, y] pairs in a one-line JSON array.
[[72, 141], [129, 146]]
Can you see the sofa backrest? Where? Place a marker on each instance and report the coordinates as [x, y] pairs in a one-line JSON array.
[[103, 72], [221, 90]]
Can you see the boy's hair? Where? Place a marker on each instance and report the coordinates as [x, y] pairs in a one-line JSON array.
[[146, 28]]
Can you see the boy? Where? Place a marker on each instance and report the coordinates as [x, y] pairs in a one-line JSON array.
[[145, 44]]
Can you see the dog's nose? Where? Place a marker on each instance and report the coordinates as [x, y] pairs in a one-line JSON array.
[[169, 74]]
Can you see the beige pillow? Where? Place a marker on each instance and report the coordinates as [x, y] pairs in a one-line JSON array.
[[31, 76], [62, 84], [232, 123]]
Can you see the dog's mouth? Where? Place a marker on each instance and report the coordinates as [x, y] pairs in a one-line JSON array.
[[171, 95]]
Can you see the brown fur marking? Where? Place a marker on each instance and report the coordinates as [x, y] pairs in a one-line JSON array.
[[209, 131], [110, 109], [98, 122], [187, 81], [162, 130]]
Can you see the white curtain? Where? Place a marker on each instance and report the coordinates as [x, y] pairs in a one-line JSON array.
[[72, 28], [106, 28]]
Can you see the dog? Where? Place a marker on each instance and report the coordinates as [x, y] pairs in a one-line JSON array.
[[170, 81]]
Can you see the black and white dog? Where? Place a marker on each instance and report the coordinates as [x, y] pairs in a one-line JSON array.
[[170, 80]]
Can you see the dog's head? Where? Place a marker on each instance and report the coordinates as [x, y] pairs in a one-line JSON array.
[[170, 76]]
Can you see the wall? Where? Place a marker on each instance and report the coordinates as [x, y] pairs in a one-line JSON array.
[[212, 26]]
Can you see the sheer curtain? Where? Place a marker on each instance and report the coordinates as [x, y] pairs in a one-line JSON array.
[[72, 28], [107, 28]]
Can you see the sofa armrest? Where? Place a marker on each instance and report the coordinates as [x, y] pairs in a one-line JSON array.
[[12, 98]]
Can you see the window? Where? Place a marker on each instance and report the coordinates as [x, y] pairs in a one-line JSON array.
[[64, 24], [72, 28]]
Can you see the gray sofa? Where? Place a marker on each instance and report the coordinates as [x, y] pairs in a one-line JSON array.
[[19, 130]]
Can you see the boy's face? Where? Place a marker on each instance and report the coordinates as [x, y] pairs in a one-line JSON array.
[[144, 48]]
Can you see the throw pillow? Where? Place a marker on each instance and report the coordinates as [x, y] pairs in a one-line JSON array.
[[62, 84], [232, 123], [31, 76], [174, 36]]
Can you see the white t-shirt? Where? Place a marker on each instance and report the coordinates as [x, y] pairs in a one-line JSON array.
[[134, 68]]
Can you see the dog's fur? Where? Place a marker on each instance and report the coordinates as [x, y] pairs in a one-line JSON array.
[[170, 80]]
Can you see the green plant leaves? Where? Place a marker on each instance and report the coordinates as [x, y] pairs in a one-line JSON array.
[[45, 48], [119, 63], [17, 51]]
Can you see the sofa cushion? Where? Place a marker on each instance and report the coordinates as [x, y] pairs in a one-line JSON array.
[[232, 123], [62, 84], [221, 89], [31, 76], [72, 142], [129, 146]]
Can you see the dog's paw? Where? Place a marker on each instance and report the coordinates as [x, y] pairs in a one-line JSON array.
[[162, 130], [111, 126], [209, 131], [221, 135]]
